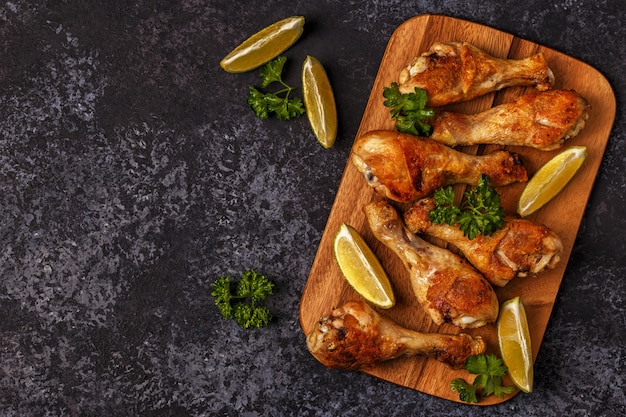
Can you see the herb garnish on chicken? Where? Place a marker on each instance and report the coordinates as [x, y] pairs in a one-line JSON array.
[[480, 211], [409, 110], [489, 371]]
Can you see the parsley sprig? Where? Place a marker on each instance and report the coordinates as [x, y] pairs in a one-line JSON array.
[[489, 371], [242, 303], [479, 213], [278, 102], [409, 110]]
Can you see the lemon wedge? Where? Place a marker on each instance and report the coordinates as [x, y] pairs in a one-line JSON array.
[[319, 101], [264, 45], [550, 179], [514, 341], [361, 267]]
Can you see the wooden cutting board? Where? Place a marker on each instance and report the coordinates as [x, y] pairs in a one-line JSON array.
[[326, 288]]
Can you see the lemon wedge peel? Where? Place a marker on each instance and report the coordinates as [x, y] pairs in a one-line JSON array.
[[515, 343], [264, 45], [361, 268], [319, 101], [550, 179]]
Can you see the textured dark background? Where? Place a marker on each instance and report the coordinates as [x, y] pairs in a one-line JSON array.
[[133, 174]]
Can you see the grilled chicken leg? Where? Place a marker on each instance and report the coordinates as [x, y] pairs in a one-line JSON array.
[[355, 336], [447, 287], [404, 167], [458, 71], [541, 120], [520, 247]]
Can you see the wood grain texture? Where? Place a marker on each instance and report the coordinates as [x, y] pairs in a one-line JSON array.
[[326, 288]]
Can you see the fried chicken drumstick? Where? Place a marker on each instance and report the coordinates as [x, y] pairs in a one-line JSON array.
[[355, 336], [448, 288], [404, 167], [541, 120], [451, 72], [519, 248]]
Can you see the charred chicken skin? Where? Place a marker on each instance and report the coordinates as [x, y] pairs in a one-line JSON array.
[[404, 167], [451, 72], [448, 288], [355, 336], [521, 247], [541, 120]]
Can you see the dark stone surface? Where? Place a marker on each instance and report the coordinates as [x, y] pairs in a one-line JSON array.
[[133, 174]]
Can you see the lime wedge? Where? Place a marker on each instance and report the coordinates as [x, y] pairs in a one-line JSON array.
[[264, 45], [550, 179]]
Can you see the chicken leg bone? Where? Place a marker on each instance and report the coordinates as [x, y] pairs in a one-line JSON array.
[[448, 288], [451, 72], [355, 336]]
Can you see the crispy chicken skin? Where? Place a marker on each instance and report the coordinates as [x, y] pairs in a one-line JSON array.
[[448, 288], [521, 247], [541, 120], [458, 71], [405, 167], [355, 336]]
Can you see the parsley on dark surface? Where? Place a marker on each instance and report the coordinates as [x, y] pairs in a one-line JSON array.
[[479, 213], [409, 110], [279, 103], [239, 301], [489, 371]]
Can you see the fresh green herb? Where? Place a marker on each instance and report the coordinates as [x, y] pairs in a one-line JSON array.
[[445, 210], [467, 392], [278, 102], [489, 371], [409, 110], [242, 303], [479, 213], [483, 213]]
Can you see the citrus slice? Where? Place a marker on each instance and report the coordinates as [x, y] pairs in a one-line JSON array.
[[550, 179], [361, 267], [264, 45], [514, 341], [319, 101]]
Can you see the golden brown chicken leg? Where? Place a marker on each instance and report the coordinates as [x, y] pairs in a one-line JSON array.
[[458, 71], [520, 247], [449, 289], [404, 167], [541, 120], [355, 336]]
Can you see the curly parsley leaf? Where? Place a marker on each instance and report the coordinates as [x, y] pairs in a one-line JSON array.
[[479, 213], [489, 371], [409, 110], [279, 103], [239, 301], [222, 293], [254, 285]]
